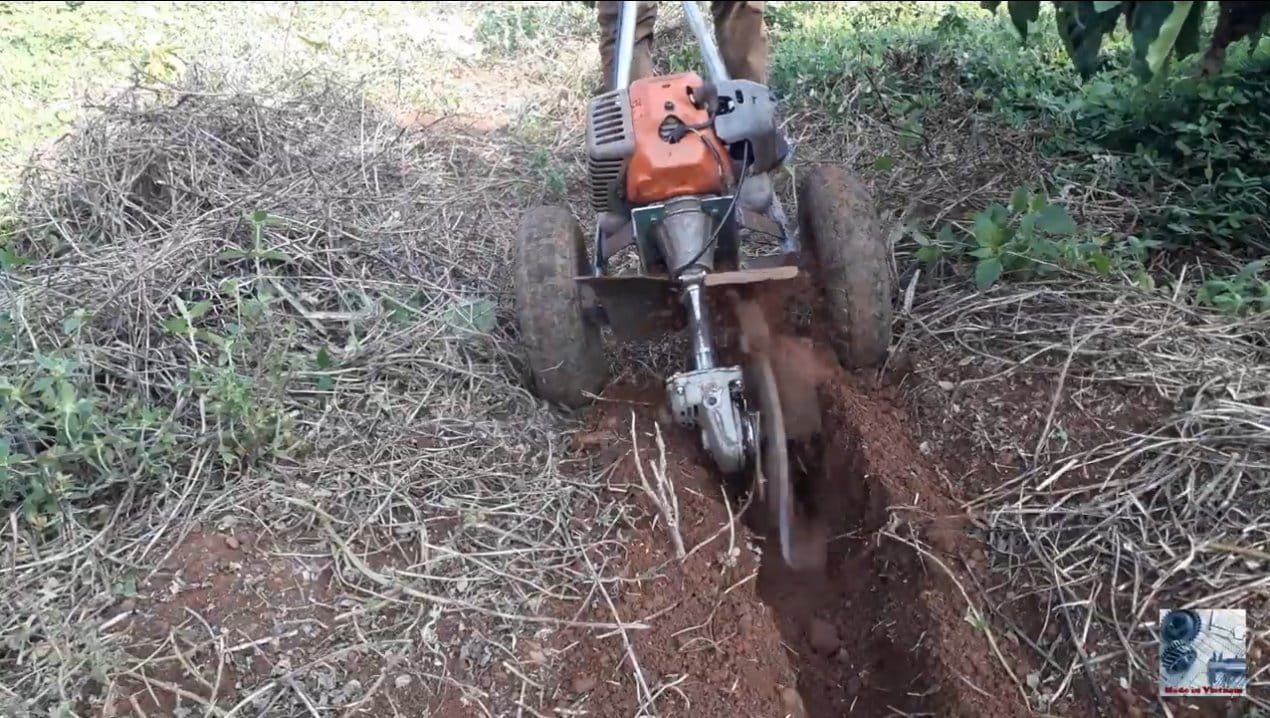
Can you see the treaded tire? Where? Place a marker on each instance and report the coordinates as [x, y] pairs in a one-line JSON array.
[[564, 351], [839, 224]]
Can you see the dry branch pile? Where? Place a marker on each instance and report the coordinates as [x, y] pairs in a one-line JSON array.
[[1177, 517], [284, 315]]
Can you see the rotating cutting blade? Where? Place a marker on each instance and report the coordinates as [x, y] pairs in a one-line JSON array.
[[772, 465], [802, 542]]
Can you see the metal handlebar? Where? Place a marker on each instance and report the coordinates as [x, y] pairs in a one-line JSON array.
[[628, 16]]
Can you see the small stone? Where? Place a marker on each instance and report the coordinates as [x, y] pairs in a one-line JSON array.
[[823, 637], [232, 543], [584, 684], [793, 703], [946, 385], [843, 656], [402, 681]]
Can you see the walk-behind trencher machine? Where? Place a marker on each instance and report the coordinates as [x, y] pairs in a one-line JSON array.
[[676, 169]]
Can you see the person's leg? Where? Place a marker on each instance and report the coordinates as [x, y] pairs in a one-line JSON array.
[[642, 61], [742, 39]]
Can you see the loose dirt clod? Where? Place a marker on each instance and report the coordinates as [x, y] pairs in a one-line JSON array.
[[881, 629], [823, 636]]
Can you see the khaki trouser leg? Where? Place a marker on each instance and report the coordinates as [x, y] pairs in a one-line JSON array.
[[642, 60], [742, 39]]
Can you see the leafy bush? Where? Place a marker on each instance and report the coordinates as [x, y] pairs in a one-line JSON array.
[[1241, 293], [1160, 31], [1197, 151]]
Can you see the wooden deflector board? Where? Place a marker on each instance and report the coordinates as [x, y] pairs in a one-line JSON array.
[[638, 307]]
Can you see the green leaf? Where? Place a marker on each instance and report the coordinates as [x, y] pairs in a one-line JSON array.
[[928, 254], [987, 232], [8, 332], [176, 325], [1018, 200], [1022, 14], [1055, 220], [272, 254], [71, 324], [477, 315], [66, 397], [1250, 270], [1188, 37], [1154, 27], [987, 272], [984, 253], [945, 236], [199, 309], [323, 359], [398, 312], [260, 216], [1100, 262], [11, 260], [1027, 229], [883, 163], [126, 588], [1104, 6]]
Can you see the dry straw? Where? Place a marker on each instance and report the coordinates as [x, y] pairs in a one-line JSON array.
[[400, 447], [1175, 517]]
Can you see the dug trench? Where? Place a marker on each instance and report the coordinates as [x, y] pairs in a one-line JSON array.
[[880, 628]]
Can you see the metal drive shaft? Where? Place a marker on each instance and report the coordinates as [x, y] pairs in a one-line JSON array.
[[698, 324]]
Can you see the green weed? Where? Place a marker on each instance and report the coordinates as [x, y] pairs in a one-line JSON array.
[[1029, 238], [1244, 292], [510, 29]]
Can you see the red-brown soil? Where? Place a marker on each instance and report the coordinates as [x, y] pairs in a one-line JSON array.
[[882, 629], [712, 646]]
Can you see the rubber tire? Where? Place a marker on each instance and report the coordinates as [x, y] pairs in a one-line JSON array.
[[564, 351], [839, 224]]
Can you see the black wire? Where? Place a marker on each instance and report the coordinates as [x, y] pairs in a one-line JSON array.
[[736, 194]]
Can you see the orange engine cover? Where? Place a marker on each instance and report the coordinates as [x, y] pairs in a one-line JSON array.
[[658, 169]]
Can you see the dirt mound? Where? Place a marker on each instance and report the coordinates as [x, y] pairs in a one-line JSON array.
[[883, 628], [711, 646]]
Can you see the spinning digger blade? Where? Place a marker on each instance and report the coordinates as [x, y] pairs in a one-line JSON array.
[[802, 543], [773, 464]]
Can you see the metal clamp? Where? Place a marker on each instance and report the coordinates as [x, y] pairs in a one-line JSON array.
[[706, 399]]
